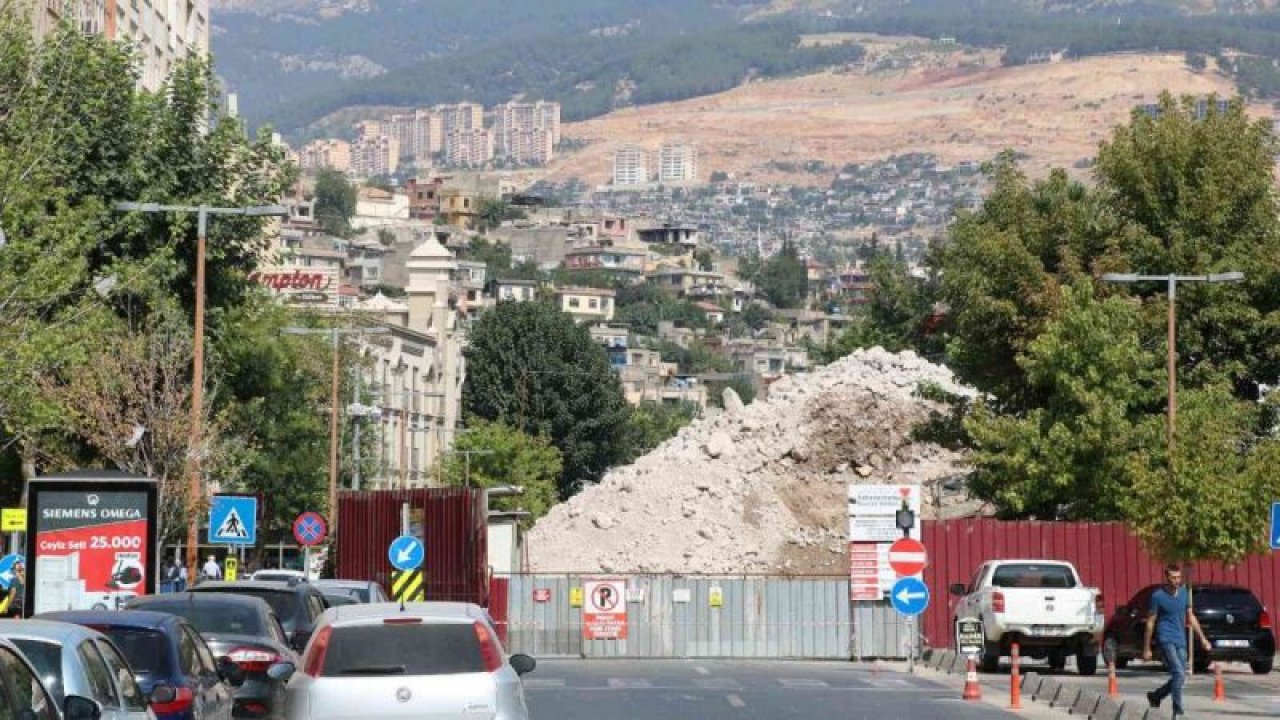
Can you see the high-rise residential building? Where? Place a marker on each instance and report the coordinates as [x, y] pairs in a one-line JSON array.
[[630, 166], [548, 118], [325, 155], [463, 116], [162, 31], [375, 155], [421, 134], [527, 132], [371, 128], [677, 163], [468, 148], [529, 147]]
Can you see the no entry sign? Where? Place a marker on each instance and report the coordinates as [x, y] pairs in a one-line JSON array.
[[604, 616], [907, 557]]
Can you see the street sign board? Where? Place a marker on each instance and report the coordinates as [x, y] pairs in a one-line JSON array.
[[1275, 525], [864, 572], [6, 569], [231, 568], [907, 556], [910, 596], [406, 553], [13, 520], [605, 615], [310, 529], [969, 640], [233, 520], [408, 586], [873, 511]]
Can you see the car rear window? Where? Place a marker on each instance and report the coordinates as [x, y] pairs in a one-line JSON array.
[[213, 618], [284, 604], [381, 650], [1224, 597], [1033, 576], [146, 650], [46, 658]]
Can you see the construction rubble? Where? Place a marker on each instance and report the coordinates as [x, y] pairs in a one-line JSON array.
[[763, 488]]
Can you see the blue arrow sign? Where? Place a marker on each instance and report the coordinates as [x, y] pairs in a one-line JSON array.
[[406, 553], [1275, 526], [910, 596], [233, 520], [6, 569]]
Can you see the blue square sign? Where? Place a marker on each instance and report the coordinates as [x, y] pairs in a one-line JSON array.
[[1275, 525], [233, 520]]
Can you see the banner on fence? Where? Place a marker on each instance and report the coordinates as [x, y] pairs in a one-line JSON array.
[[604, 616]]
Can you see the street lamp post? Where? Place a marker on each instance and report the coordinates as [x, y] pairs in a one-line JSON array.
[[336, 334], [195, 488], [1171, 281]]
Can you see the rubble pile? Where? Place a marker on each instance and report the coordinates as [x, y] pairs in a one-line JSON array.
[[763, 488]]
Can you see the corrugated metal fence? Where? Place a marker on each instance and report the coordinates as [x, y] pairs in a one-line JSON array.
[[1107, 555], [671, 616]]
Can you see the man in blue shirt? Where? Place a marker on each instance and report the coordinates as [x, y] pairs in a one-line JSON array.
[[1167, 620]]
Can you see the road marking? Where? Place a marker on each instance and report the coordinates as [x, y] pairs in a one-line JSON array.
[[537, 683], [702, 671], [802, 683], [619, 683], [735, 701], [717, 683], [892, 682]]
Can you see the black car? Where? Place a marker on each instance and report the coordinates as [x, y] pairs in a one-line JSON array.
[[243, 630], [298, 604], [1234, 620]]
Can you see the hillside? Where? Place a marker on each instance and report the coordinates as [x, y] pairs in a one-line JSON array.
[[1053, 113]]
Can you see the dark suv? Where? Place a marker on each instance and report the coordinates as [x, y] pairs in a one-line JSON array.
[[296, 604], [1236, 623]]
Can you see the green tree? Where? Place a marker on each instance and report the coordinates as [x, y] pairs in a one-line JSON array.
[[783, 279], [653, 423], [511, 458], [895, 316], [492, 212], [335, 202], [495, 255], [756, 316], [530, 366]]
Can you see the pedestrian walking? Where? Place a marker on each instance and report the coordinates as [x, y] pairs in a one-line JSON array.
[[17, 592], [181, 584], [211, 570], [166, 576], [1167, 621]]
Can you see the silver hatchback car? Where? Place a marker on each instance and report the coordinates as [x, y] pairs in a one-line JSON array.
[[428, 661]]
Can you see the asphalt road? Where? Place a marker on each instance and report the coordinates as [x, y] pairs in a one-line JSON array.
[[738, 690]]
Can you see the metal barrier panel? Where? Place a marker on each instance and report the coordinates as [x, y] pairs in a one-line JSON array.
[[879, 631], [671, 616]]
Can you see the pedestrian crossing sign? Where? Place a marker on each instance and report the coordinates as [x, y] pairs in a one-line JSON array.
[[408, 586], [233, 520]]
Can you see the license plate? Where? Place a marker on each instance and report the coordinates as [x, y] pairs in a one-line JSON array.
[[1046, 630], [1231, 643]]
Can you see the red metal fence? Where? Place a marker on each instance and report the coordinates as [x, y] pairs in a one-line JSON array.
[[453, 522], [1107, 555]]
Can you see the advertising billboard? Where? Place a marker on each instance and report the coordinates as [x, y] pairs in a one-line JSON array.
[[91, 541]]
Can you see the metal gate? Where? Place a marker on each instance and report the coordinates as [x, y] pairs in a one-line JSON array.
[[675, 616]]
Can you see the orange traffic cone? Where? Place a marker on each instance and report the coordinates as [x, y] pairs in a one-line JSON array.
[[1113, 687], [1015, 681], [1219, 691], [972, 691]]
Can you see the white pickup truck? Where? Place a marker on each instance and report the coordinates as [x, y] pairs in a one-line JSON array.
[[1040, 604]]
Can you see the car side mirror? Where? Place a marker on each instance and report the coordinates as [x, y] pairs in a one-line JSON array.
[[78, 707], [958, 589], [523, 664], [163, 694], [281, 671], [230, 672]]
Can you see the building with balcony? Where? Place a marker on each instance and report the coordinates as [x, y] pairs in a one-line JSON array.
[[329, 154], [515, 290], [468, 148], [630, 166], [593, 305], [375, 156], [677, 163]]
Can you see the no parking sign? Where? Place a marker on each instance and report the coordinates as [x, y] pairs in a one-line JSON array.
[[604, 615]]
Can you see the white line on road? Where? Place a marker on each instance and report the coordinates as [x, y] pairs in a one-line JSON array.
[[735, 701], [702, 671], [802, 683], [618, 683]]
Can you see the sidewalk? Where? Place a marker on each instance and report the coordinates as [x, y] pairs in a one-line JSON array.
[[1247, 696]]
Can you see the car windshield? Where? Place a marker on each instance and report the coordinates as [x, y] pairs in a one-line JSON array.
[[439, 649], [46, 658], [146, 650], [213, 618], [1033, 576]]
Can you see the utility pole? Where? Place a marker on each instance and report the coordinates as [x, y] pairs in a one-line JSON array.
[[195, 485], [336, 334]]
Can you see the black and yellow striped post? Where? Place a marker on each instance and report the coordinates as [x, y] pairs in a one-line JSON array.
[[408, 586]]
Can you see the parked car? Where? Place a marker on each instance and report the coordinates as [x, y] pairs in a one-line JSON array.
[[23, 696], [240, 629], [297, 604], [1040, 604], [365, 591], [278, 575], [428, 660], [1235, 621], [338, 598], [77, 661], [171, 662]]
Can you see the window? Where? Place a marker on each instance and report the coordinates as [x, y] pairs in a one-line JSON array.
[[95, 668], [188, 656], [574, 302], [20, 692], [1033, 576], [207, 663], [315, 606], [46, 658], [134, 700], [146, 651], [427, 649], [593, 303]]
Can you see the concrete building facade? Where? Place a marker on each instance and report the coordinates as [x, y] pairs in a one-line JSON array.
[[677, 163], [630, 166]]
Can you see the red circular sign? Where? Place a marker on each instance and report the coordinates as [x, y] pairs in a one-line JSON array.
[[907, 556], [310, 529]]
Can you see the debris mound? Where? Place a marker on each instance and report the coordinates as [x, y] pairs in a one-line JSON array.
[[763, 488]]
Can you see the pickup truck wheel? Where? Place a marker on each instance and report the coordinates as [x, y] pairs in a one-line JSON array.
[[1122, 663], [1057, 659], [1087, 663], [990, 660], [1262, 667]]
